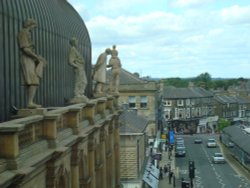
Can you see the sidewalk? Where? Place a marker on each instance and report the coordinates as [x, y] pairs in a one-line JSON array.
[[164, 183]]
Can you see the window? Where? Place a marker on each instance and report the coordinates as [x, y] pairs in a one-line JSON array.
[[168, 103], [180, 102], [188, 102], [144, 102], [131, 102]]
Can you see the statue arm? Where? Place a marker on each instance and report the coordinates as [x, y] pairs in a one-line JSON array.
[[29, 52]]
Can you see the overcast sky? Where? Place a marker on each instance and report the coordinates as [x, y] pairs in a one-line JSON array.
[[172, 38]]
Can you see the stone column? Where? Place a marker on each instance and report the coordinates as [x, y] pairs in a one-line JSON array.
[[91, 161], [117, 151], [75, 167], [103, 159], [112, 159]]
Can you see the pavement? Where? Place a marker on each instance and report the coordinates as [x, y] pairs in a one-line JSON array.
[[234, 163], [164, 182]]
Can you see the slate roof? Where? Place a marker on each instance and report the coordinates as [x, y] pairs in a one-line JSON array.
[[239, 138], [132, 123], [185, 93], [127, 77], [230, 99]]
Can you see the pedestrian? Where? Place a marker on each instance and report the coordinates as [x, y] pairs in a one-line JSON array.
[[161, 173], [173, 180], [170, 177], [169, 167], [165, 169]]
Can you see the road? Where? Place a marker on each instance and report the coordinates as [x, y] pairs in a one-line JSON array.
[[207, 174]]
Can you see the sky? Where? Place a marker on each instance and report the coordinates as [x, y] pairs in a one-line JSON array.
[[172, 38]]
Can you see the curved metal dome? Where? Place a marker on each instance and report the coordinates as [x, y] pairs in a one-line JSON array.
[[58, 22]]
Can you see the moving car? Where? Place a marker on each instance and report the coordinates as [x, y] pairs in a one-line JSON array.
[[198, 141], [180, 151], [218, 158], [211, 143]]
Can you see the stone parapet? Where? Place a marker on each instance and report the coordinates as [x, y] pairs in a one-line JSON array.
[[37, 140]]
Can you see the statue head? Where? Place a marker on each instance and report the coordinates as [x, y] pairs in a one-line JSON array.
[[73, 41], [108, 51]]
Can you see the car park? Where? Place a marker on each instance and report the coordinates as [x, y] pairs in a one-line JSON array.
[[197, 140], [218, 158], [211, 143]]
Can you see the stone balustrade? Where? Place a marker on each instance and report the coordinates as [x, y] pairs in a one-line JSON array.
[[22, 132]]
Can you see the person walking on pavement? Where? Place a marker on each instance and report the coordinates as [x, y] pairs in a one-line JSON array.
[[170, 177], [161, 173], [165, 169]]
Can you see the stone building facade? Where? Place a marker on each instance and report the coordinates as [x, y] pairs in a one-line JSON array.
[[141, 96], [58, 145], [76, 146], [133, 154], [185, 109]]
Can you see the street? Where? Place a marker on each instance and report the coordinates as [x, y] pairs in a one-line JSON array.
[[207, 174]]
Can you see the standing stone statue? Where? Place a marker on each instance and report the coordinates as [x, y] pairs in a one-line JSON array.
[[99, 73], [31, 63], [115, 64], [78, 63]]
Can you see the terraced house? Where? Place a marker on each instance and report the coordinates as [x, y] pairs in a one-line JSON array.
[[188, 110]]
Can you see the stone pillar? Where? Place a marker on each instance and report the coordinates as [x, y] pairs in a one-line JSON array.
[[9, 145], [91, 161], [73, 118], [103, 159], [75, 167], [50, 128], [89, 112], [117, 151], [111, 159], [101, 106]]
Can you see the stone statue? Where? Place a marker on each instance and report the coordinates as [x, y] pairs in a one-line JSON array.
[[31, 63], [78, 63], [115, 64], [99, 73]]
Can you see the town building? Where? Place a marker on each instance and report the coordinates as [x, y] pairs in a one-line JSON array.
[[133, 143], [141, 96], [188, 110], [232, 108]]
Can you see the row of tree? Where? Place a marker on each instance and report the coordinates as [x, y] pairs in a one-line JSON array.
[[204, 80]]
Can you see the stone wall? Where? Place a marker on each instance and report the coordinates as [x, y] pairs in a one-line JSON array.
[[73, 146]]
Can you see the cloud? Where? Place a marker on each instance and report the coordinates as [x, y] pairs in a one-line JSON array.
[[170, 43], [189, 3], [236, 15]]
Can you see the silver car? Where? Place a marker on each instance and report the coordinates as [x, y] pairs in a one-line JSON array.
[[218, 158], [211, 143]]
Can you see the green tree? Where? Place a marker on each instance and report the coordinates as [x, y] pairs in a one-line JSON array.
[[203, 80], [177, 82], [222, 124]]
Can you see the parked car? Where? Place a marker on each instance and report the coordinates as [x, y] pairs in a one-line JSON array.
[[211, 143], [198, 141], [218, 158], [180, 151], [230, 144]]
